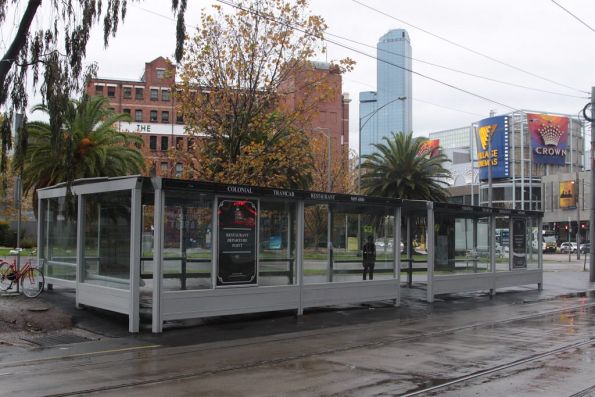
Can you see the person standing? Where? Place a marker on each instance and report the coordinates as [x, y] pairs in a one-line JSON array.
[[369, 257]]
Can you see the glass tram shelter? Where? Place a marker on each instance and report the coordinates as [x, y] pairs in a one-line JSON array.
[[174, 249]]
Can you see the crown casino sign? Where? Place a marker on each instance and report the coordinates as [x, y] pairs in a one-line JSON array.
[[493, 147], [549, 138]]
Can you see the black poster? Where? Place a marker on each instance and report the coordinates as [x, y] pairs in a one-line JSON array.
[[237, 242], [519, 243]]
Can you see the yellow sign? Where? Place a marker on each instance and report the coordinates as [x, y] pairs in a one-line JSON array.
[[567, 195], [485, 135]]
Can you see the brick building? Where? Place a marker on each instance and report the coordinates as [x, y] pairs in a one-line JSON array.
[[152, 108], [151, 104]]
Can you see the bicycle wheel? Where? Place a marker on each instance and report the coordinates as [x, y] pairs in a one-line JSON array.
[[6, 276], [32, 282]]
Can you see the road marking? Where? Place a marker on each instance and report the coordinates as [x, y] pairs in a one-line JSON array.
[[124, 349]]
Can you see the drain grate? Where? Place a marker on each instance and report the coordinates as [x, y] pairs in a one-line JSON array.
[[54, 340]]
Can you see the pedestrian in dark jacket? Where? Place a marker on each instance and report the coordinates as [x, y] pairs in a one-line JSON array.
[[369, 257]]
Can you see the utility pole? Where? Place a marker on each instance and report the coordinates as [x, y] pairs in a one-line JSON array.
[[578, 215], [592, 217]]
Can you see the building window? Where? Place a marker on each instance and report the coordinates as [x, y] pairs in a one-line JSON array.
[[139, 93], [165, 95], [190, 144], [160, 73], [111, 91], [164, 143], [179, 142], [178, 170], [153, 142], [179, 118], [127, 92], [138, 115], [126, 111], [154, 94], [164, 168], [153, 117], [98, 90], [165, 117]]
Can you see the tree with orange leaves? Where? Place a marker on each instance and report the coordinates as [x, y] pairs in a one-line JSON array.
[[236, 94]]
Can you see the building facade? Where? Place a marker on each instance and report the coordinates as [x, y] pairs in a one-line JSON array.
[[566, 203], [151, 103], [521, 186], [388, 109]]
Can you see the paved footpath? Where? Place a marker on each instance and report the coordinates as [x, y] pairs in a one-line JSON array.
[[520, 342]]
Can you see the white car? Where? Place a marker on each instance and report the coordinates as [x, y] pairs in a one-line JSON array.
[[568, 247]]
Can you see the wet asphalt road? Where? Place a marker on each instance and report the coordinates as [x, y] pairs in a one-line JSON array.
[[532, 347]]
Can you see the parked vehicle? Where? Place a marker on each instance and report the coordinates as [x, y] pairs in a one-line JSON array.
[[568, 247], [585, 248]]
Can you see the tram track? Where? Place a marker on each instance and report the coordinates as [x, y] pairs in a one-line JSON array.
[[506, 366], [385, 341]]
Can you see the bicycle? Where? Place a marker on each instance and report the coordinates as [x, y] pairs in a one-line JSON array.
[[31, 278]]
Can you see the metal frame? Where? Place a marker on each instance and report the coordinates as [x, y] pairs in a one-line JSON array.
[[184, 304]]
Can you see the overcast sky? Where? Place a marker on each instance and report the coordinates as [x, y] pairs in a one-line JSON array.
[[537, 36]]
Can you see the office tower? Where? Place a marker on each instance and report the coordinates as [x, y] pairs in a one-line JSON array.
[[389, 108]]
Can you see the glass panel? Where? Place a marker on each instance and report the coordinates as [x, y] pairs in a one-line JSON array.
[[462, 244], [414, 257], [187, 256], [107, 239], [59, 247], [502, 244], [147, 237], [277, 241], [363, 243], [316, 252], [533, 244]]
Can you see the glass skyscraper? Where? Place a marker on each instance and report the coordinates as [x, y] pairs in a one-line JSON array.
[[389, 108]]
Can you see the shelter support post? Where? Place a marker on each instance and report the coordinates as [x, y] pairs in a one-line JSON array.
[[157, 323], [397, 253], [135, 245], [299, 252], [540, 250], [430, 247], [409, 253], [80, 246], [492, 237]]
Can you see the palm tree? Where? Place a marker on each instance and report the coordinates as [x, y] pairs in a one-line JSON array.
[[397, 169], [89, 146]]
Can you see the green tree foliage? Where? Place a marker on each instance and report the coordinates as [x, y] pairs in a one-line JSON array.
[[397, 169], [239, 80], [88, 146], [49, 54]]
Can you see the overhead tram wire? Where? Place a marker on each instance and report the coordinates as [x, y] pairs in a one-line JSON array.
[[572, 15], [369, 56], [457, 70], [418, 100], [414, 59], [469, 49]]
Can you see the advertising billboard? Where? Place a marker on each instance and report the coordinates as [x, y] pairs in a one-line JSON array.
[[430, 148], [567, 195], [519, 243], [237, 242], [549, 138], [493, 147]]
